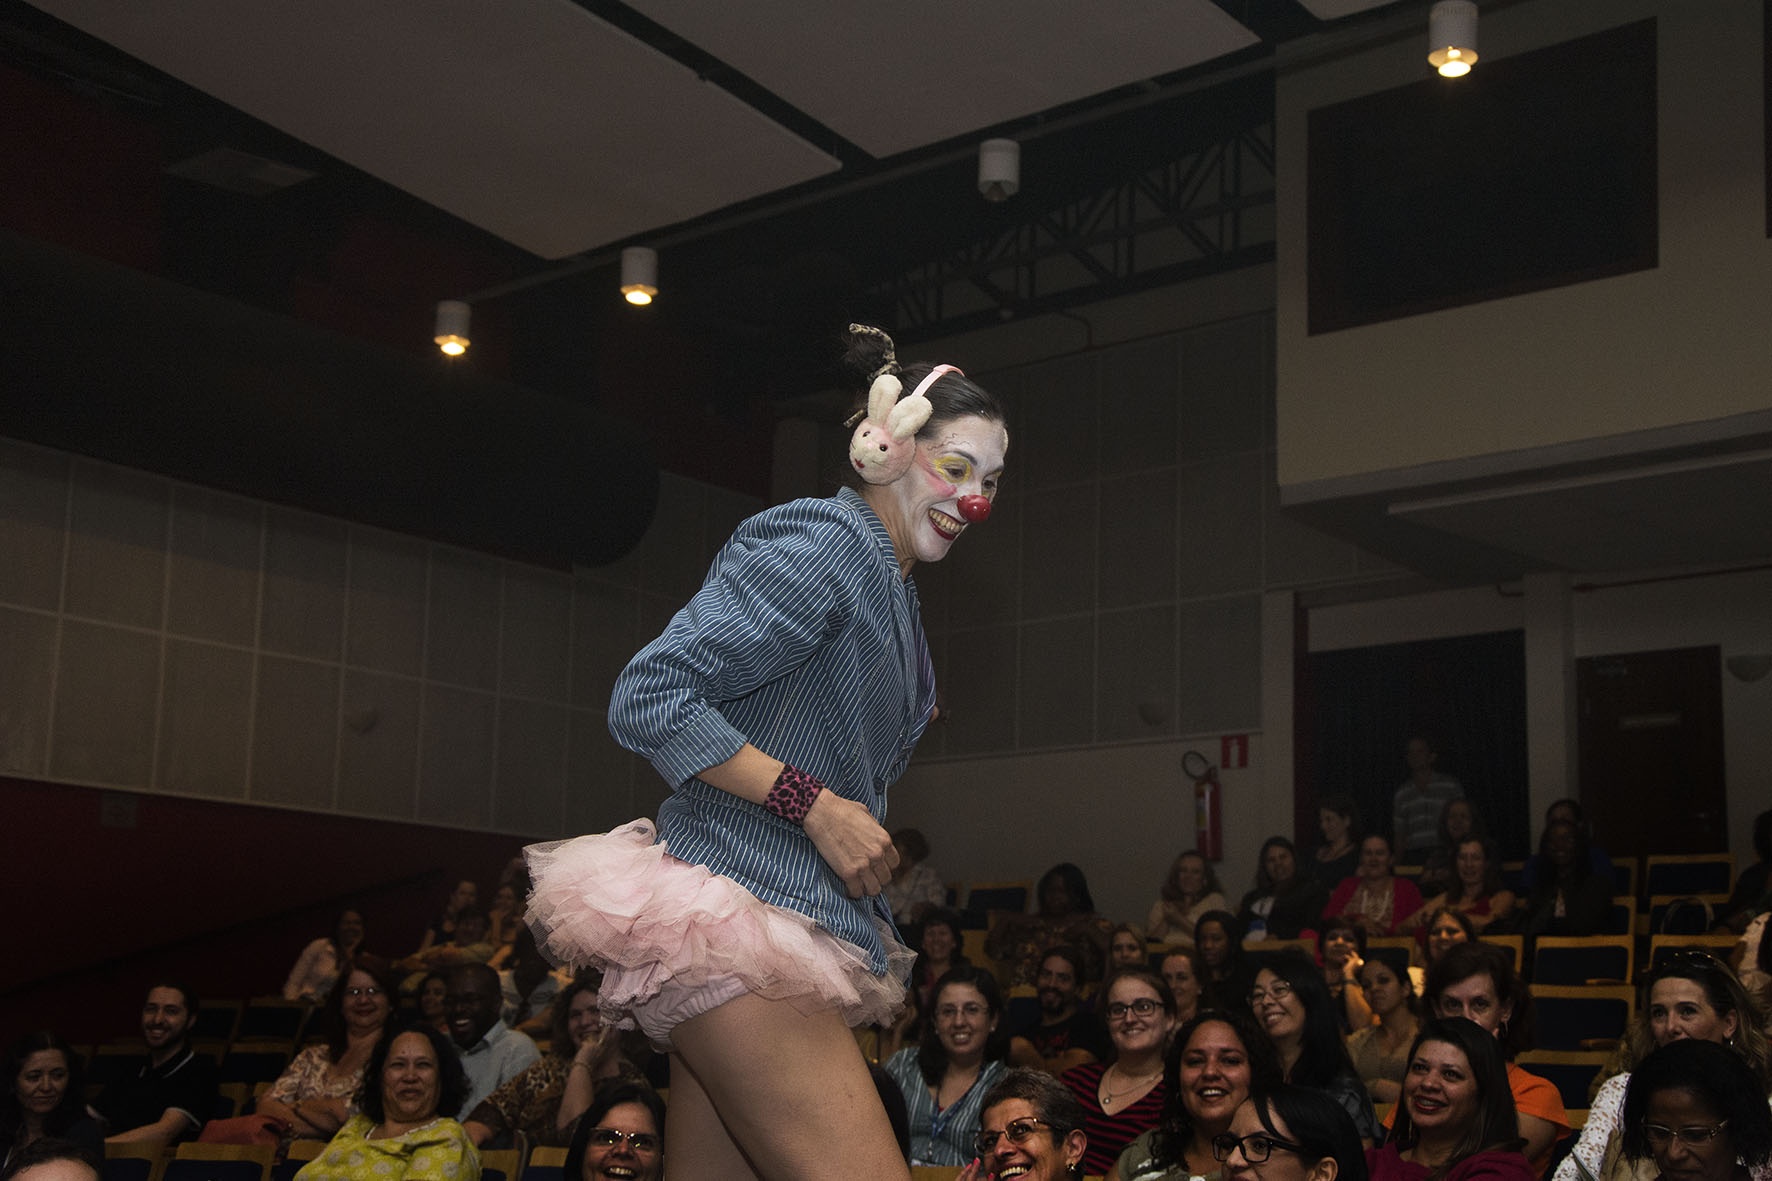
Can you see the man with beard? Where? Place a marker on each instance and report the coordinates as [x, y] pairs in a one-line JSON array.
[[490, 1053], [1066, 1035], [174, 1093]]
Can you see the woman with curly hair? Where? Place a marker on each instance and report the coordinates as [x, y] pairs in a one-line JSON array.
[[401, 1134], [1696, 1110]]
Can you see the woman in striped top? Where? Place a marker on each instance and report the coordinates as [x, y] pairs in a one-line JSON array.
[[779, 705], [1125, 1097]]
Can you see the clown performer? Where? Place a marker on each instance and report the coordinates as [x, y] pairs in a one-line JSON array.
[[746, 933]]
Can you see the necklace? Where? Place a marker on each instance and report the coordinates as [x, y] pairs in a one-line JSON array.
[[1108, 1096]]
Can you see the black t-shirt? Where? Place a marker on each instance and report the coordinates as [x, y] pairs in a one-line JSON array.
[[1080, 1031], [185, 1082]]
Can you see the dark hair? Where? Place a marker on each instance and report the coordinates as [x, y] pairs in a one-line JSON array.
[[73, 1103], [1263, 880], [484, 973], [1070, 954], [1054, 1104], [610, 1094], [441, 974], [1341, 923], [340, 921], [1491, 865], [1458, 916], [1191, 954], [1075, 884], [952, 395], [1170, 892], [560, 1015], [1724, 992], [338, 1037], [932, 1058], [1233, 933], [192, 1001], [1478, 829], [471, 914], [1318, 1124], [1144, 974], [1581, 861], [1175, 1129], [452, 1080], [898, 1112], [1322, 1054], [45, 1149], [1395, 960], [1763, 835], [1485, 959], [1716, 1078], [1497, 1125], [1390, 844], [1343, 805], [914, 842], [1569, 802], [943, 916]]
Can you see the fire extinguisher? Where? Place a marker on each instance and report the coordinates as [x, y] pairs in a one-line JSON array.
[[1208, 805]]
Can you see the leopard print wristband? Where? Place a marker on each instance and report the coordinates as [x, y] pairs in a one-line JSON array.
[[792, 794]]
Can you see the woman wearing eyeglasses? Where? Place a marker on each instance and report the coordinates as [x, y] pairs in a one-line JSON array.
[[620, 1137], [1125, 1096], [1692, 998], [1456, 1119], [1031, 1130], [1215, 1062], [1292, 1004], [1291, 1134], [317, 1093], [944, 1078], [1695, 1110]]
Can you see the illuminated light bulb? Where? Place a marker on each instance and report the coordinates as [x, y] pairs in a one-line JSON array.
[[452, 327], [1452, 37], [639, 275]]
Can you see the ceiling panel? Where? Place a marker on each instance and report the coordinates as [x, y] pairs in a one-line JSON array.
[[529, 118], [898, 75]]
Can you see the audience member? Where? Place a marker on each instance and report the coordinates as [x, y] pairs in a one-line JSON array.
[[621, 1137], [1570, 898], [1570, 811], [1477, 981], [1415, 809], [465, 896], [46, 1099], [469, 943], [323, 961], [433, 996], [1446, 928], [403, 1132], [1031, 1129], [1456, 1118], [1693, 998], [1315, 1138], [943, 936], [1292, 1005], [490, 1053], [1184, 972], [1380, 1052], [945, 1077], [51, 1158], [1213, 1065], [174, 1093], [1375, 897], [1458, 822], [1339, 855], [1284, 903], [1126, 948], [1065, 1035], [1475, 890], [1341, 946], [544, 1099], [1753, 887], [897, 1114], [505, 920], [1124, 1098], [1189, 891], [527, 987], [1219, 936], [318, 1092], [1066, 916], [1696, 1110], [915, 888]]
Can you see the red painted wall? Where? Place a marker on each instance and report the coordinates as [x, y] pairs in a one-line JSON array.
[[106, 890]]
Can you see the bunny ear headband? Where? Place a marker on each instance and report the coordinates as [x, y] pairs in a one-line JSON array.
[[881, 448]]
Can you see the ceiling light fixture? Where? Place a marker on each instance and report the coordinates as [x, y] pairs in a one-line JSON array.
[[452, 326], [1452, 37], [639, 274], [999, 169]]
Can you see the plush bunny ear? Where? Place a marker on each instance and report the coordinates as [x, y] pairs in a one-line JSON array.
[[883, 396], [908, 417]]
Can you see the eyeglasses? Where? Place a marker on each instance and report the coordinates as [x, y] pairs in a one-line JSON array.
[[372, 991], [1278, 991], [1256, 1146], [1692, 1134], [971, 1010], [1017, 1131], [612, 1138], [1144, 1006]]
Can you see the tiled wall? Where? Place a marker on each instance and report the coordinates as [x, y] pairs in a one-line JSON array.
[[162, 637], [1114, 596]]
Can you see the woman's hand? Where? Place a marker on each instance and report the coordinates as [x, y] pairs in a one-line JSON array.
[[975, 1171], [852, 843]]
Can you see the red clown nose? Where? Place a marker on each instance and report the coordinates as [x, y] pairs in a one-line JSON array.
[[976, 509]]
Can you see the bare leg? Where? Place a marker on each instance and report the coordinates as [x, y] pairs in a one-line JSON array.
[[791, 1091], [697, 1144]]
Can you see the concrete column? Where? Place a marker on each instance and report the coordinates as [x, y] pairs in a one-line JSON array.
[[1550, 690]]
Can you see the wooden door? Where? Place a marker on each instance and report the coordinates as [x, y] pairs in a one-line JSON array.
[[1651, 748]]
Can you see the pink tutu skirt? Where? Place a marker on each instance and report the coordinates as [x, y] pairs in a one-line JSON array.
[[668, 934]]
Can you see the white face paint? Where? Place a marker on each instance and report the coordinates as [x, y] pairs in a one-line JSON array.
[[921, 509]]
